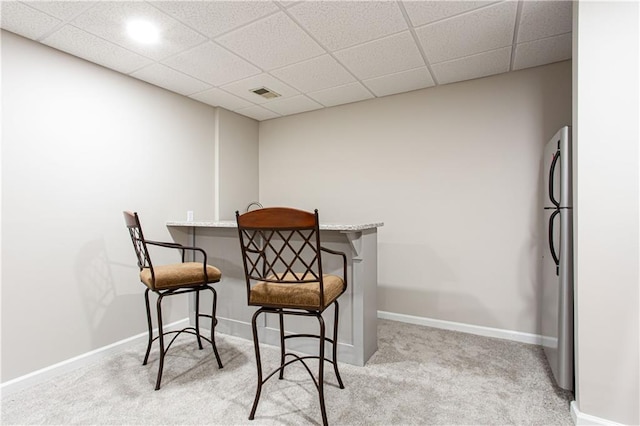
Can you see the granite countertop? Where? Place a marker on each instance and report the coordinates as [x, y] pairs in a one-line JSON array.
[[232, 224]]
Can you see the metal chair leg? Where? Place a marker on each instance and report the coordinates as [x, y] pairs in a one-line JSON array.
[[161, 339], [149, 325], [282, 349], [335, 345], [214, 322], [198, 319], [321, 370], [256, 345]]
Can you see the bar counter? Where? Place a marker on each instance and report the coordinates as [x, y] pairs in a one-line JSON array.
[[357, 334]]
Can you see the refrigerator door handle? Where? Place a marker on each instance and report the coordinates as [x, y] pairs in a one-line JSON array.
[[552, 171], [552, 249]]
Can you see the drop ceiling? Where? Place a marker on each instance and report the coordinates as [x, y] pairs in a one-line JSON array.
[[314, 54]]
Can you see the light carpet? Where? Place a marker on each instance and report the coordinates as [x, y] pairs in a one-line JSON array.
[[419, 375]]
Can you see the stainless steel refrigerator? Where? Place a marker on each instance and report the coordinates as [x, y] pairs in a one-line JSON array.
[[557, 260]]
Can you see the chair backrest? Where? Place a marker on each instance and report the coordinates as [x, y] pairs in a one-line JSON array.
[[132, 221], [280, 245]]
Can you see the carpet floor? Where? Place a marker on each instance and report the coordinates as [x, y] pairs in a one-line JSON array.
[[418, 376]]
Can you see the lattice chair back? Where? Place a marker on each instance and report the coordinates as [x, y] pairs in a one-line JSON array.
[[137, 238], [282, 246]]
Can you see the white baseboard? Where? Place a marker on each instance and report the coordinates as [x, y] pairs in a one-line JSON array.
[[47, 373], [580, 418], [516, 336], [74, 363]]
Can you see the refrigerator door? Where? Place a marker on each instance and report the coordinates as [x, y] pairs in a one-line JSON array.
[[550, 291], [557, 170], [557, 295], [565, 374]]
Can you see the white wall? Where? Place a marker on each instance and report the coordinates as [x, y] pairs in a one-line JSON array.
[[606, 140], [454, 174], [81, 143]]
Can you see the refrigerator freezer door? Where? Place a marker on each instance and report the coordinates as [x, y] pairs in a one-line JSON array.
[[557, 170]]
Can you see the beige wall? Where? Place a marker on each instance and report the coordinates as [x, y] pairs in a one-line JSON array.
[[454, 174], [81, 143], [606, 140], [237, 147]]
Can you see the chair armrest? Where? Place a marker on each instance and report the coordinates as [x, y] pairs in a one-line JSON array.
[[344, 261], [163, 244], [179, 247]]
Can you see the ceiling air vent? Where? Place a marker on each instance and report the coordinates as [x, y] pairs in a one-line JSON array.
[[265, 93]]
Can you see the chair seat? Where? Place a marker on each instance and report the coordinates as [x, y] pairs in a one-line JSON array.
[[300, 296], [179, 275]]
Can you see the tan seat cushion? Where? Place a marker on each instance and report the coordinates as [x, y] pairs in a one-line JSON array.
[[179, 275], [303, 296]]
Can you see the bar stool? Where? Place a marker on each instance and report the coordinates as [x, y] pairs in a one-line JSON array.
[[282, 259], [170, 280]]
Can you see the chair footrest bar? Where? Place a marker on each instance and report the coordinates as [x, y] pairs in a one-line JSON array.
[[188, 330], [307, 357], [214, 320], [297, 358], [311, 336]]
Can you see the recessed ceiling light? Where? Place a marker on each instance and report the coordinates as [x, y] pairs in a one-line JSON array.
[[143, 31]]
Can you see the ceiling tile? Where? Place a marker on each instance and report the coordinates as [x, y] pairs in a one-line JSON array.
[[315, 74], [340, 24], [212, 64], [243, 88], [404, 81], [272, 42], [475, 32], [293, 105], [217, 97], [476, 66], [64, 10], [87, 46], [213, 18], [424, 12], [544, 51], [257, 113], [170, 79], [383, 56], [544, 19], [26, 21], [352, 92], [109, 21]]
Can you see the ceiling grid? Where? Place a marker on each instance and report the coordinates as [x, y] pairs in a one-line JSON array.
[[314, 54]]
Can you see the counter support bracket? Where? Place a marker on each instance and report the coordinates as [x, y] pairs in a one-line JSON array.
[[355, 241]]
